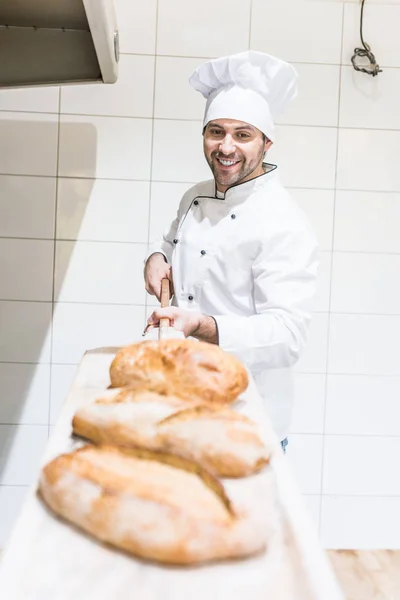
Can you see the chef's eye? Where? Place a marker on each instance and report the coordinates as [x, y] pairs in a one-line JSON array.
[[216, 131], [243, 136]]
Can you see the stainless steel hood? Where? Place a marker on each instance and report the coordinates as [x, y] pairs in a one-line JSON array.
[[49, 42]]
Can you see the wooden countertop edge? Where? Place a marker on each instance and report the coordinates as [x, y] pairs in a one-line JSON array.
[[367, 574]]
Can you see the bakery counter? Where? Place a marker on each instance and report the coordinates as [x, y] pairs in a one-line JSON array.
[[60, 562], [367, 574]]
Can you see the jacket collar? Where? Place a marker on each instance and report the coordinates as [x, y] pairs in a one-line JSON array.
[[241, 191]]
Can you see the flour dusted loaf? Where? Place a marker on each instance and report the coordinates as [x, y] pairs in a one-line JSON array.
[[222, 440], [186, 368], [153, 505], [129, 418]]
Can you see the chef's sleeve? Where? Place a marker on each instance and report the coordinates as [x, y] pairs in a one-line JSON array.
[[284, 275], [165, 244]]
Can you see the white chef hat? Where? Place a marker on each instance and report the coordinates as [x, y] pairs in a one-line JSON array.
[[251, 87]]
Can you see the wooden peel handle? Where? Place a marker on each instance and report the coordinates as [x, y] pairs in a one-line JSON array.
[[165, 294]]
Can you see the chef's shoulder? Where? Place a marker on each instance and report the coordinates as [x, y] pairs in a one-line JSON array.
[[204, 188], [282, 209], [280, 205]]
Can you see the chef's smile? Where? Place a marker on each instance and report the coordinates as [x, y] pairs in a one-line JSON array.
[[227, 163]]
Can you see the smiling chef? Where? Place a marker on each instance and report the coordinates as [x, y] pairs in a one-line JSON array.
[[240, 254]]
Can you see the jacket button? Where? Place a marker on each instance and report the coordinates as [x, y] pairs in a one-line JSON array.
[[175, 241], [196, 202], [203, 252], [233, 216], [190, 298]]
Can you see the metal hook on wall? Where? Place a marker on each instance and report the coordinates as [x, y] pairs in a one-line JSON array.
[[365, 52]]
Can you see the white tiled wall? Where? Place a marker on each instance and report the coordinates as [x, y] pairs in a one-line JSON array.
[[88, 174]]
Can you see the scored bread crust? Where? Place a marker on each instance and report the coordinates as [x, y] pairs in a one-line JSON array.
[[127, 419], [221, 439], [187, 368], [153, 505], [224, 441]]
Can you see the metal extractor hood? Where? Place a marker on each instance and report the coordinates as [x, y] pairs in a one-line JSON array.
[[57, 42]]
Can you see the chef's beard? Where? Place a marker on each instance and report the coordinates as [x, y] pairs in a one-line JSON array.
[[247, 167]]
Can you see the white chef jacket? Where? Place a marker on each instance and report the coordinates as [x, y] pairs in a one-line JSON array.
[[249, 260]]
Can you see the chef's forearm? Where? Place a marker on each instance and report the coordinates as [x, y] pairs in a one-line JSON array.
[[207, 330]]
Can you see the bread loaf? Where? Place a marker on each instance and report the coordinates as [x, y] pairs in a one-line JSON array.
[[185, 368], [154, 505], [222, 440], [128, 419]]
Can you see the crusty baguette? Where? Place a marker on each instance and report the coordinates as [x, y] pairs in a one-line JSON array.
[[186, 368], [224, 441], [153, 505], [129, 418]]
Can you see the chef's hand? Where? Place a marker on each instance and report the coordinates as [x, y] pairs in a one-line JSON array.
[[192, 324], [155, 270]]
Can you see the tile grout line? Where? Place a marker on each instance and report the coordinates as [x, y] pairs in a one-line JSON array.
[[250, 24], [334, 374], [144, 243], [74, 302], [193, 57], [4, 424], [74, 240], [196, 120], [295, 62], [54, 258], [152, 146], [300, 373], [308, 495], [331, 276], [117, 179], [369, 436], [141, 305], [15, 485], [346, 435]]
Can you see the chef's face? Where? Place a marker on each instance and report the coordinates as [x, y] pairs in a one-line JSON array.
[[234, 151]]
